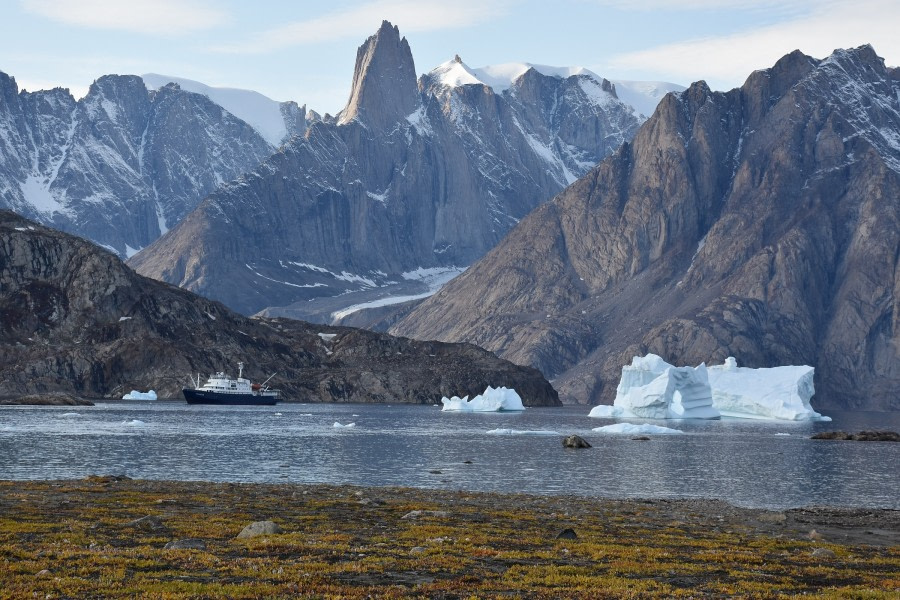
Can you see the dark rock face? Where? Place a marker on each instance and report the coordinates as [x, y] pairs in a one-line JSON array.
[[74, 318], [762, 223], [408, 177], [121, 165]]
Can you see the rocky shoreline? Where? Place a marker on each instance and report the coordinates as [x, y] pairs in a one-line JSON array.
[[50, 399], [116, 537]]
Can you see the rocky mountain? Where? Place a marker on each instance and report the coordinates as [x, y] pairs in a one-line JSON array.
[[124, 163], [74, 318], [762, 223], [414, 179]]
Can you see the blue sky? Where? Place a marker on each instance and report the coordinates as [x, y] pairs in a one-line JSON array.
[[304, 51]]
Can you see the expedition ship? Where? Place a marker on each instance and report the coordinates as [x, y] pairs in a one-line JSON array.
[[221, 389]]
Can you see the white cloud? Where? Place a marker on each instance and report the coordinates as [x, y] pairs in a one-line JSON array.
[[360, 21], [726, 61], [162, 17]]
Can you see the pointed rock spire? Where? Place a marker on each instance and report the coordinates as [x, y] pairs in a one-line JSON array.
[[384, 81]]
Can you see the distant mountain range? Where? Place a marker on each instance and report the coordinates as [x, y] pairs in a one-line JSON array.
[[125, 163], [762, 223], [413, 177]]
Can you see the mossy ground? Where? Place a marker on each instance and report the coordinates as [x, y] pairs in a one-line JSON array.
[[69, 539]]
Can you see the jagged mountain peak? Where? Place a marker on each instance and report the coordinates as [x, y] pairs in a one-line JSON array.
[[385, 88]]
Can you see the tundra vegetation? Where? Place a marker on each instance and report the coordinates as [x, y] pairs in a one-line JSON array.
[[91, 538]]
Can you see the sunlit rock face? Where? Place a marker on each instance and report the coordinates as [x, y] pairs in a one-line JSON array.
[[761, 223]]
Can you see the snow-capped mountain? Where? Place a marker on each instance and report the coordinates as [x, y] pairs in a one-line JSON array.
[[124, 163], [642, 96], [275, 121], [414, 175], [761, 223]]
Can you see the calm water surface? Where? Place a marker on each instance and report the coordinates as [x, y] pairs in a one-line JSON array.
[[749, 463]]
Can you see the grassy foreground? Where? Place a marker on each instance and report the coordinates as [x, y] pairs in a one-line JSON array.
[[75, 539]]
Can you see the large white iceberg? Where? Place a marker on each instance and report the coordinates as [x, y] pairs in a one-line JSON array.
[[492, 400], [774, 393], [136, 395], [651, 388]]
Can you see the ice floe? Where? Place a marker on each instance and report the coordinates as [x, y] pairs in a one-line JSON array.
[[633, 429], [340, 426], [492, 400], [522, 432]]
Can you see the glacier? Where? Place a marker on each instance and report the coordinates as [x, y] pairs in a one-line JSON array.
[[652, 388], [492, 400]]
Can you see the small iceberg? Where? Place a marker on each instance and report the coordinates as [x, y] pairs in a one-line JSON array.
[[137, 395], [339, 426], [70, 415], [632, 429], [522, 432], [492, 400], [133, 423]]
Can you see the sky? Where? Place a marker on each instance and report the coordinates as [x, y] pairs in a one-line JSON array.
[[305, 51]]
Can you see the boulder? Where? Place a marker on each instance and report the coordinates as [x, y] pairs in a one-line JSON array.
[[575, 441], [258, 528]]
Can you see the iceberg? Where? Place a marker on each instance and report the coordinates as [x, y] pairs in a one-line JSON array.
[[781, 393], [632, 429], [492, 400], [338, 425], [136, 395], [651, 388]]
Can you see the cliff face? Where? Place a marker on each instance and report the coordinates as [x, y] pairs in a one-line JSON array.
[[74, 318], [410, 176], [762, 223], [121, 165]]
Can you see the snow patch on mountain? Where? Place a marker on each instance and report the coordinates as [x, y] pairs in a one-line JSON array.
[[644, 96], [257, 110]]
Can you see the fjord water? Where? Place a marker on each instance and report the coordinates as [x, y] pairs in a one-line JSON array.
[[761, 464]]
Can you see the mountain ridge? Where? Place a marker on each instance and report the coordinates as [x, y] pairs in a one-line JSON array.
[[749, 223]]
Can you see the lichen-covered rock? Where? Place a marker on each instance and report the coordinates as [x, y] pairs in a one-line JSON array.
[[258, 528]]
